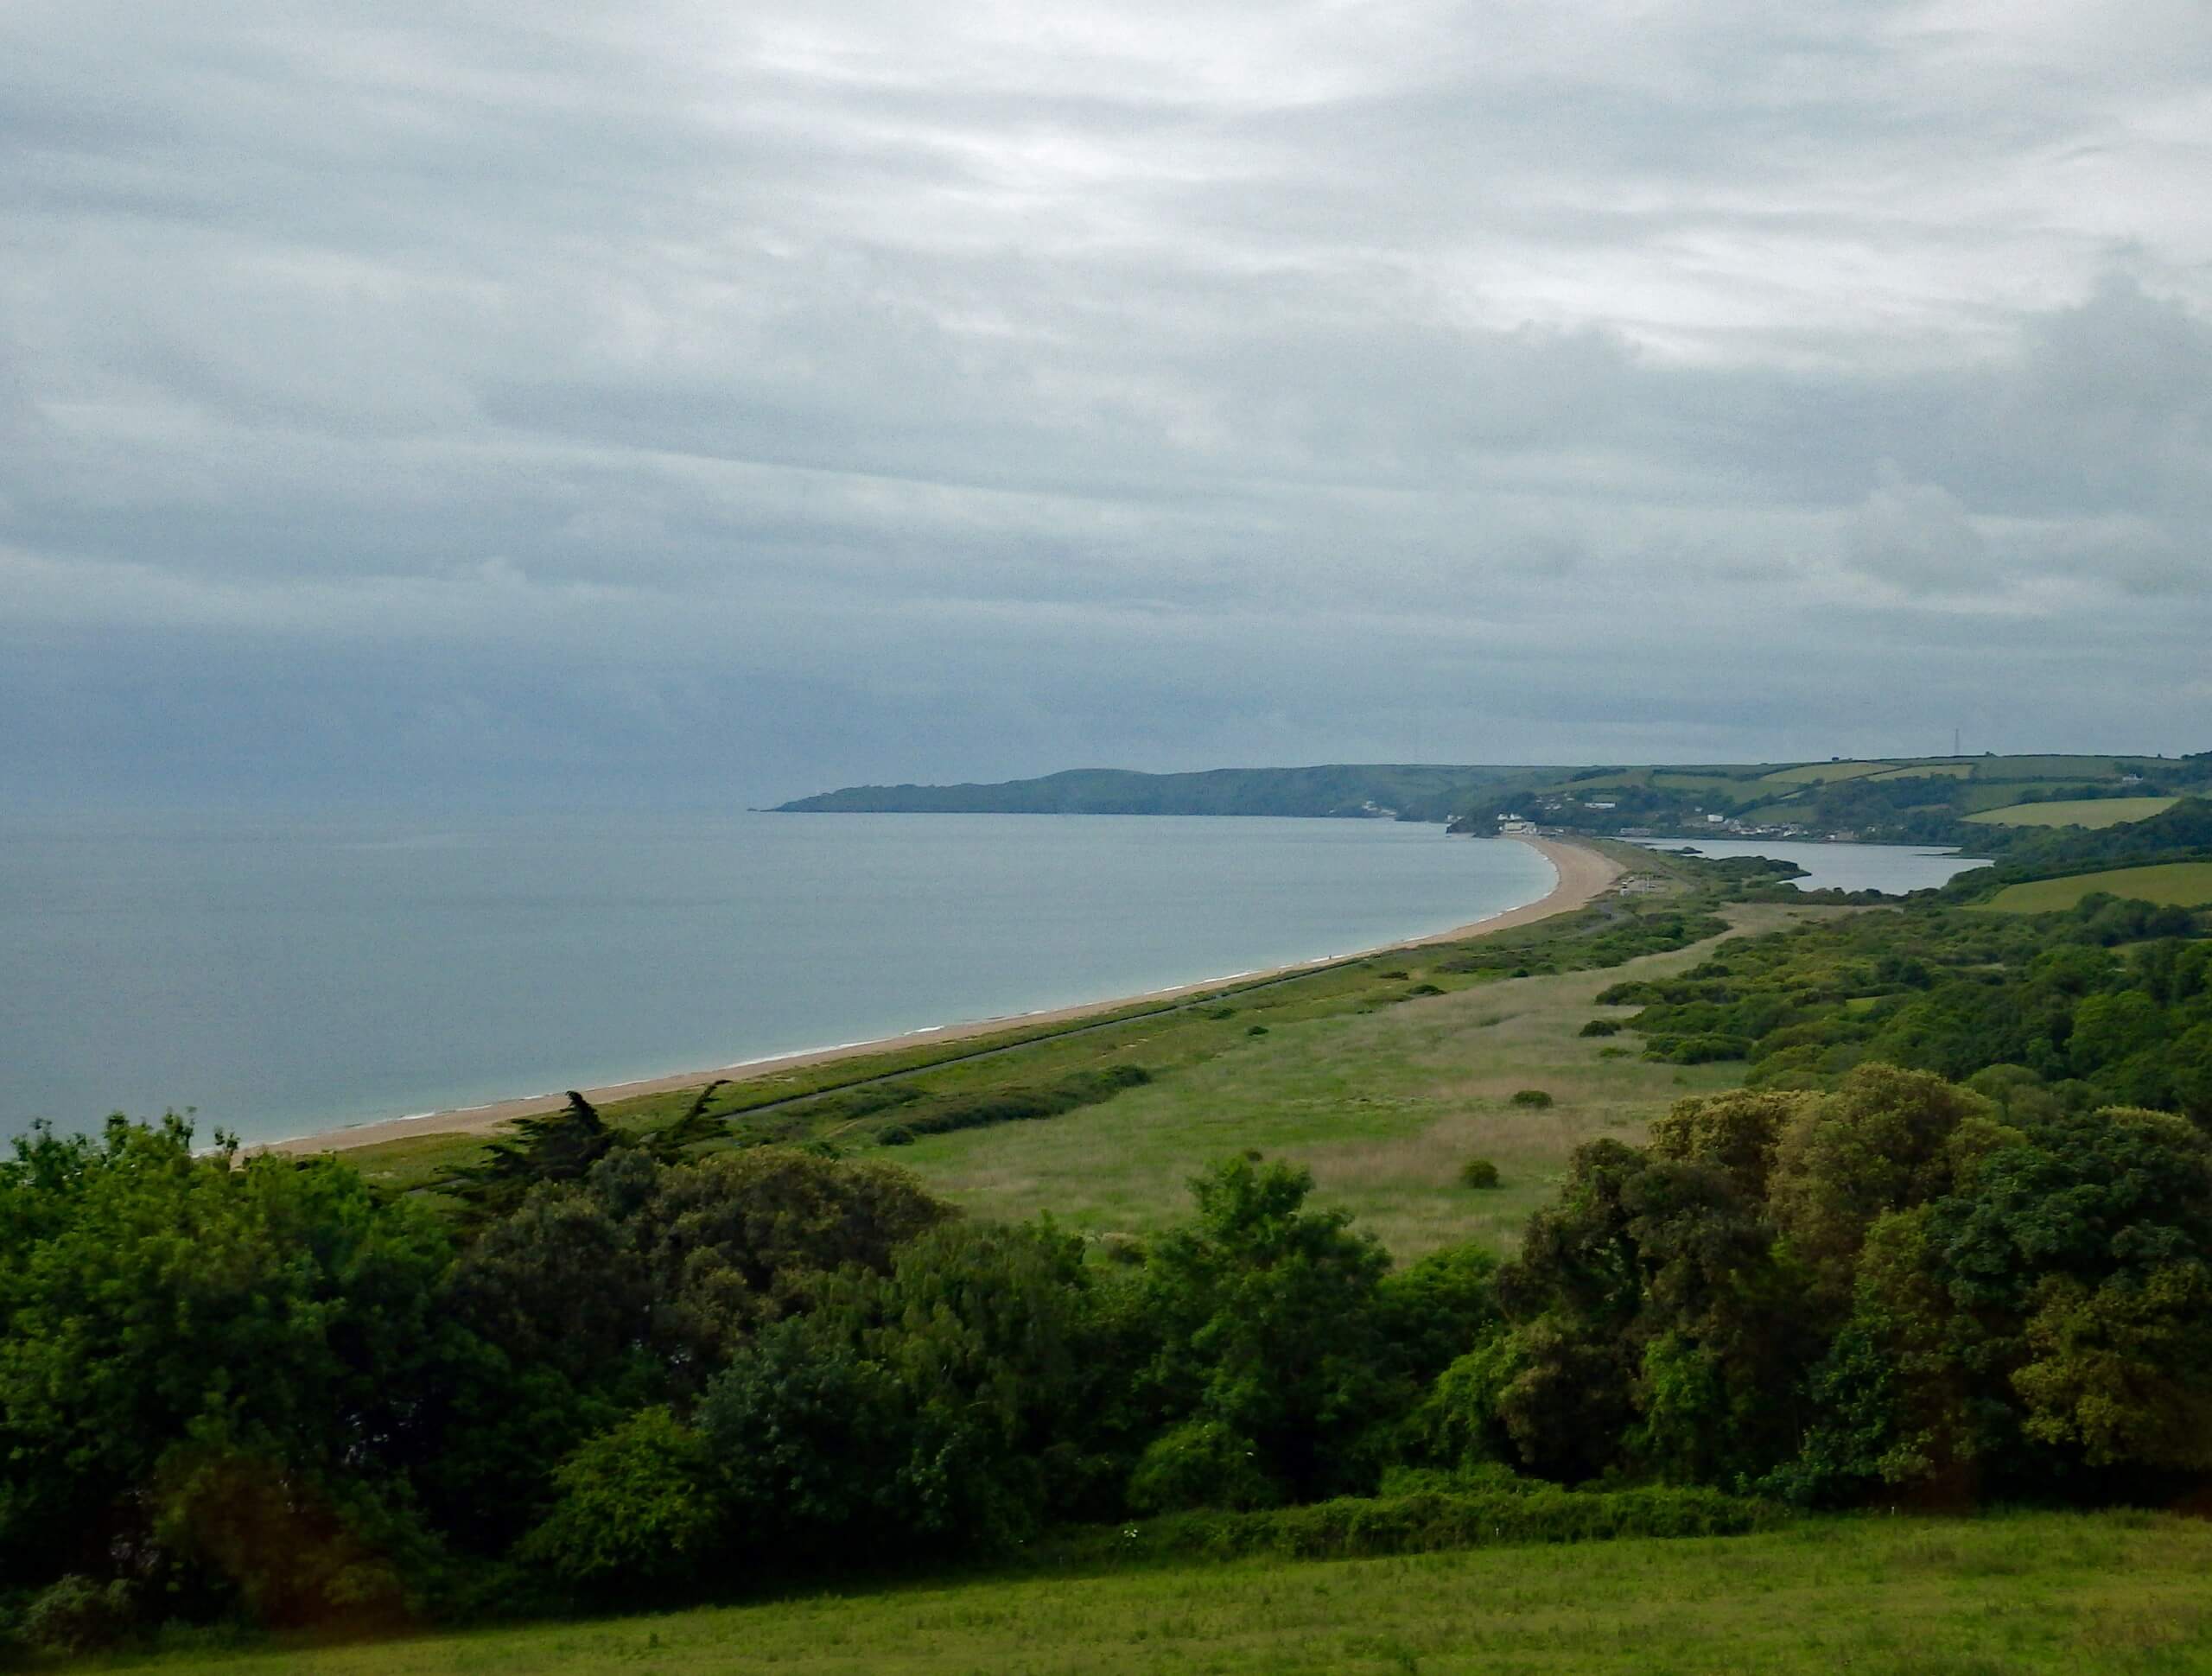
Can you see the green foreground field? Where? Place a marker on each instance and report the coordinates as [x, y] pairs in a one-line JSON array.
[[2094, 813], [2181, 884], [2044, 1592]]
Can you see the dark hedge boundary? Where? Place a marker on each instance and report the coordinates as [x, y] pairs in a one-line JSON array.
[[1423, 1521]]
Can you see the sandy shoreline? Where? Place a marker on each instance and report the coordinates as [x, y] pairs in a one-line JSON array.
[[1583, 874]]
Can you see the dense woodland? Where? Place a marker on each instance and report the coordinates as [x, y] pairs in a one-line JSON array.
[[1952, 1245]]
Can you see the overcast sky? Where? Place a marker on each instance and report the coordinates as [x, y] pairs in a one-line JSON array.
[[731, 400]]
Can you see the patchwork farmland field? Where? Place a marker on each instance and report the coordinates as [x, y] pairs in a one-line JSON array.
[[2181, 884], [2093, 812]]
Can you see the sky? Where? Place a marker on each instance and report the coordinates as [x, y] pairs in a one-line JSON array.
[[716, 403]]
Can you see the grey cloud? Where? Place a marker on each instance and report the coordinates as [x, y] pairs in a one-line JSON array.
[[1918, 537], [1164, 385]]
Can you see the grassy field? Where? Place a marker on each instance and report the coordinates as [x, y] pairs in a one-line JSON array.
[[2184, 884], [2072, 769], [1384, 1105], [2095, 812], [2078, 1593], [1814, 773]]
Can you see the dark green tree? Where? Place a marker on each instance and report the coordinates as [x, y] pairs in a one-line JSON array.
[[1271, 1326], [171, 1323]]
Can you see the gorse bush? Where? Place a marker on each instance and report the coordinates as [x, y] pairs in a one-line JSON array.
[[1478, 1172], [1535, 1098]]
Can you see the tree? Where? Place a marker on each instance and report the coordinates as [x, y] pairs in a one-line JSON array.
[[2042, 1321], [166, 1319], [1652, 1320], [957, 1400], [639, 1506], [1270, 1326], [560, 1147], [1880, 1143]]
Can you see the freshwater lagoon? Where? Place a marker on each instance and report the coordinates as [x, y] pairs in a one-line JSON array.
[[1893, 869]]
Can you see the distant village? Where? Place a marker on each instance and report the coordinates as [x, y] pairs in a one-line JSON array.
[[1561, 814]]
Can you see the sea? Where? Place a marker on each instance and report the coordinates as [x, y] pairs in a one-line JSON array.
[[280, 977]]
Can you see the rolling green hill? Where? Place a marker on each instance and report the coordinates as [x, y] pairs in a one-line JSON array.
[[1902, 799], [2092, 812], [1411, 791]]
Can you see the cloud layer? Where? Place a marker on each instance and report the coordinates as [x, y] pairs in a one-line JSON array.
[[733, 401]]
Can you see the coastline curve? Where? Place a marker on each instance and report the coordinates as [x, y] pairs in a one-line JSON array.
[[1580, 874]]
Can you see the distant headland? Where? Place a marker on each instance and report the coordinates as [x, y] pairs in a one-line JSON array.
[[1986, 802]]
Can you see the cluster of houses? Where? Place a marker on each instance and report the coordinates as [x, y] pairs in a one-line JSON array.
[[1717, 826]]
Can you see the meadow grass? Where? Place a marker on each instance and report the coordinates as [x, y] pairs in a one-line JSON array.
[[1814, 773], [2072, 769], [2181, 884], [2085, 1594], [1384, 1105], [2096, 813]]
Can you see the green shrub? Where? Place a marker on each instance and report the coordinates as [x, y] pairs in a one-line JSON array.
[[1535, 1098], [1427, 1521], [1601, 1027], [1424, 989], [639, 1505], [1612, 1053], [1125, 1250], [1256, 1030], [897, 1135], [1478, 1172], [75, 1616], [1699, 1049], [1200, 1463], [944, 1114]]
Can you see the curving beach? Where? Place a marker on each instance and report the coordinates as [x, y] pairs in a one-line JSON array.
[[1582, 872]]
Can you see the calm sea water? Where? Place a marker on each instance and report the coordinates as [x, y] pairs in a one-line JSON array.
[[283, 979], [1894, 868]]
